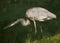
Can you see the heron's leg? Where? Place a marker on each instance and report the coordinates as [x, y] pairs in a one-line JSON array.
[[35, 26], [41, 28]]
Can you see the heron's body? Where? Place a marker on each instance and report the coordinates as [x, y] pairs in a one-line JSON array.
[[39, 14]]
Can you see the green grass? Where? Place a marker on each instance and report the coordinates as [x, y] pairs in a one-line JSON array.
[[52, 39]]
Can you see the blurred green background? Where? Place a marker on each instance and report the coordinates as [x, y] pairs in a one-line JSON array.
[[14, 9]]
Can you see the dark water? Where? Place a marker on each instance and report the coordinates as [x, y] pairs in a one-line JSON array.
[[14, 9]]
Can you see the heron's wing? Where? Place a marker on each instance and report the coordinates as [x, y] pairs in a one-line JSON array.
[[44, 14], [48, 13]]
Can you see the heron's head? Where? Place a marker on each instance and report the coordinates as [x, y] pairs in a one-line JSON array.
[[25, 22]]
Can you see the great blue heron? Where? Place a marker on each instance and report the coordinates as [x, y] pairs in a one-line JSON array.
[[35, 13]]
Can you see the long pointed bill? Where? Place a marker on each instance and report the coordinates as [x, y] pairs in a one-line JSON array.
[[12, 24], [35, 26]]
